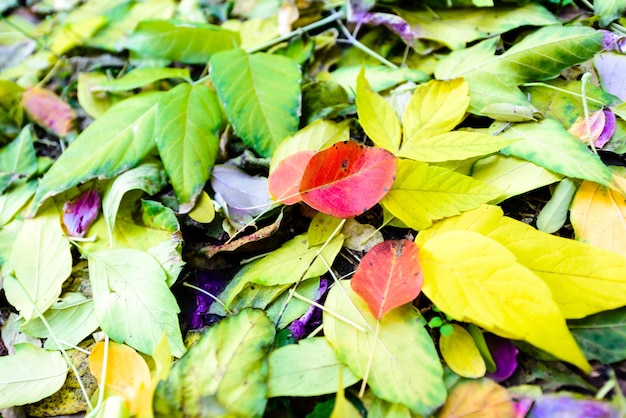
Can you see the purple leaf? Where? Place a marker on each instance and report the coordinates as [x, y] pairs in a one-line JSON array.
[[608, 130], [213, 282], [80, 212], [504, 354], [311, 317], [567, 407], [358, 11]]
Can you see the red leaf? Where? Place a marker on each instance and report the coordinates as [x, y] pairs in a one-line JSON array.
[[284, 181], [347, 179], [389, 276], [48, 110]]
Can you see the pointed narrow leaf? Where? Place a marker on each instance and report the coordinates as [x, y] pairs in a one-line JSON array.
[[187, 122], [405, 366], [476, 279], [376, 116], [30, 375], [284, 182], [260, 94], [423, 193], [388, 276], [223, 374], [347, 179], [122, 137]]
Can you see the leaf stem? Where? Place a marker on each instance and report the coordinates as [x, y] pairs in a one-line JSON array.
[[354, 42], [540, 84], [369, 361], [585, 79], [211, 295], [323, 308]]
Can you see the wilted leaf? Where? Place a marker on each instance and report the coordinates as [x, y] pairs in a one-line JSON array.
[[223, 374], [461, 354], [270, 85], [30, 374], [48, 110], [388, 276], [80, 212], [284, 182], [347, 179], [480, 398], [403, 350]]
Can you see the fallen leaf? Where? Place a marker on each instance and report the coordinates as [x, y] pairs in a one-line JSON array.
[[48, 110], [80, 212], [284, 182], [461, 354], [478, 398]]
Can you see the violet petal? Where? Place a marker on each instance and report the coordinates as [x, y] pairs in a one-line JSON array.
[[504, 354], [300, 326], [609, 129], [79, 213]]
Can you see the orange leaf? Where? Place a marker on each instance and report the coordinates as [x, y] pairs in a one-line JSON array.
[[347, 179], [284, 182], [389, 276], [48, 110], [478, 398]]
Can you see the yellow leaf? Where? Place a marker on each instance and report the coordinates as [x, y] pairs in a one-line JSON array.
[[436, 107], [583, 279], [203, 211], [127, 375], [599, 217], [343, 408], [481, 398], [75, 33], [476, 279], [461, 353], [376, 116]]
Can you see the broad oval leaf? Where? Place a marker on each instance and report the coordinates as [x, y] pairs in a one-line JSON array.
[[133, 303], [192, 43], [223, 374], [122, 137], [347, 179], [461, 353], [388, 276], [260, 94], [284, 182], [30, 374], [405, 366], [476, 279], [187, 123], [480, 398]]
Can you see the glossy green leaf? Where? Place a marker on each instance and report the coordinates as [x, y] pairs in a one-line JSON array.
[[223, 374], [554, 214], [602, 336], [549, 145], [140, 77], [187, 123], [423, 193], [539, 56], [191, 43], [402, 352], [41, 261], [261, 96], [123, 136], [309, 368], [30, 374], [133, 303]]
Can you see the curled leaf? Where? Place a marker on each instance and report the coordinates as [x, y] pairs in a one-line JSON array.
[[504, 354], [79, 213]]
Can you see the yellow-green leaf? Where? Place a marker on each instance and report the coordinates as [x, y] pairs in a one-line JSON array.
[[376, 116], [423, 193], [476, 279], [343, 408], [461, 353]]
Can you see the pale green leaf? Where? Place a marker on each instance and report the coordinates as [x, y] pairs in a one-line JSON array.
[[405, 366], [18, 157], [423, 193], [540, 56], [8, 233], [133, 303], [377, 117], [608, 10], [13, 199], [94, 104], [476, 279], [455, 145], [141, 77], [384, 409], [187, 124], [30, 375], [223, 374], [380, 77], [41, 261], [343, 408], [549, 145], [553, 215], [261, 96], [148, 177], [512, 175], [191, 43], [282, 315], [456, 27], [309, 368], [115, 142]]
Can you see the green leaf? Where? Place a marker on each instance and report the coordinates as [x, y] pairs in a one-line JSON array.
[[554, 214], [30, 375], [405, 366], [377, 117], [187, 124], [549, 145], [602, 336], [223, 374], [13, 199], [148, 177], [608, 10], [141, 77], [41, 261], [423, 193], [309, 368], [261, 96], [133, 303], [18, 157], [115, 142], [476, 279], [539, 56], [380, 77], [191, 43]]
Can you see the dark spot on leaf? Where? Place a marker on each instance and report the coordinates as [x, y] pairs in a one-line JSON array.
[[385, 189], [344, 165]]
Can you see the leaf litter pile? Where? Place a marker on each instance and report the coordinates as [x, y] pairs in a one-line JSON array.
[[313, 208]]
